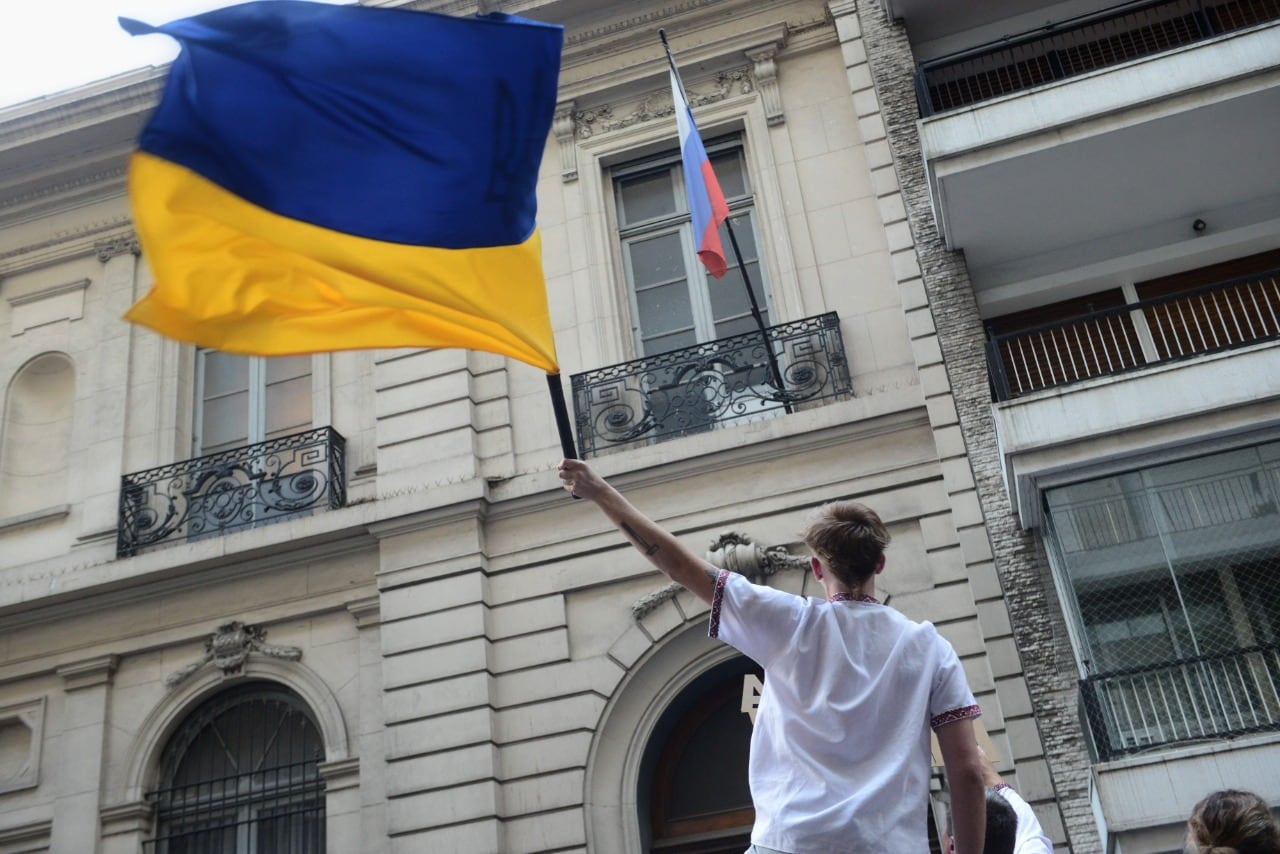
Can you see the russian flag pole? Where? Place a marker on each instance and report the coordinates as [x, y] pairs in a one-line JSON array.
[[682, 102]]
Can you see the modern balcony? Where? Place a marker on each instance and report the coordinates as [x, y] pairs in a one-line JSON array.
[[232, 490], [1100, 137], [1195, 699], [1209, 319], [711, 386], [1134, 378]]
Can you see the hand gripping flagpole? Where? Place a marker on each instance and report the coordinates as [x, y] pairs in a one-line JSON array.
[[774, 369]]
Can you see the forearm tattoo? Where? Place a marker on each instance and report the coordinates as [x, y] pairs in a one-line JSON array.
[[649, 549]]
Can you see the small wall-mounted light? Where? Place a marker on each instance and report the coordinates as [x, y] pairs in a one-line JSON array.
[[1199, 226]]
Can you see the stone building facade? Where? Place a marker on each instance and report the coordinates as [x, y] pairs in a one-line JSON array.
[[427, 645]]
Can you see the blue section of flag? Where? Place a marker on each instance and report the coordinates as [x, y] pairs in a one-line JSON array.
[[400, 126]]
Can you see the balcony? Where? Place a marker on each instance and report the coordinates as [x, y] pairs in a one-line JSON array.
[[1124, 338], [1055, 150], [1195, 699], [229, 491], [711, 386], [1070, 48]]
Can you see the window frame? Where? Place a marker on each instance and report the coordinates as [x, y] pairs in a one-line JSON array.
[[256, 415], [743, 209]]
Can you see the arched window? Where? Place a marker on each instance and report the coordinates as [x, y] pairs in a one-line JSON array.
[[37, 436], [240, 776]]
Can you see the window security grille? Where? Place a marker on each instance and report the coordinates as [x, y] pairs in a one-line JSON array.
[[1173, 578], [241, 777]]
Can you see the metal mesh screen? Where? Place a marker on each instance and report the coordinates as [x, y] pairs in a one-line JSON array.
[[241, 777], [1173, 577]]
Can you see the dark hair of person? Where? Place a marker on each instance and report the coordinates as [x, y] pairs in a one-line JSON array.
[[850, 539], [1232, 822], [1002, 825]]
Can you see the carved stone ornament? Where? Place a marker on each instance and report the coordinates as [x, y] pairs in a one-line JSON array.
[[562, 126], [121, 244], [657, 105], [735, 552], [228, 649]]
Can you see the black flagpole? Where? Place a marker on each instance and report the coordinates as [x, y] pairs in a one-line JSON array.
[[774, 369]]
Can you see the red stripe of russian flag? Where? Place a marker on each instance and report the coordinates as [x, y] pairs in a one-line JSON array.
[[706, 201]]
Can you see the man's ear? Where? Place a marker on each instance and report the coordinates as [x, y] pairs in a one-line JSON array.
[[880, 565], [815, 566]]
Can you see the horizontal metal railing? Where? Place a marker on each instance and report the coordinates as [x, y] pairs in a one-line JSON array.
[[711, 385], [1075, 46], [1201, 698], [1194, 504], [231, 490], [1114, 340]]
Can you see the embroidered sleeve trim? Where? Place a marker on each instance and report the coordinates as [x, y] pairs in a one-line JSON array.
[[713, 630], [1002, 785], [955, 715]]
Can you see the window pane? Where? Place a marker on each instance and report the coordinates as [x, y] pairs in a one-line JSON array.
[[646, 197], [729, 301], [225, 422], [729, 172], [287, 367], [224, 373], [667, 343], [664, 309], [288, 408], [655, 260]]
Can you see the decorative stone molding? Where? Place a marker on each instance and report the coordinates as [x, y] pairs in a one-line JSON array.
[[366, 612], [89, 673], [766, 72], [64, 301], [32, 836], [340, 774], [120, 244], [562, 125], [659, 104], [735, 552], [25, 721], [134, 817], [229, 648]]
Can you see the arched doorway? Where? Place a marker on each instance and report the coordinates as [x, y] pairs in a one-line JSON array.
[[693, 779]]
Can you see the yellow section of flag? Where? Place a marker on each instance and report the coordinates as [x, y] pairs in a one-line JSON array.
[[236, 277]]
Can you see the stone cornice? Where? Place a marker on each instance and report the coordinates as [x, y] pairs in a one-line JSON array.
[[366, 612], [53, 115], [61, 247], [131, 817], [88, 673], [32, 831]]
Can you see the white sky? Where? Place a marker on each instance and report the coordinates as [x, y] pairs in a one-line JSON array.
[[50, 45]]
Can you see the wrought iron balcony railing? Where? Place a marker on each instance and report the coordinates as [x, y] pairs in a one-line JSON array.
[[1205, 320], [711, 385], [1201, 698], [1078, 45], [254, 485]]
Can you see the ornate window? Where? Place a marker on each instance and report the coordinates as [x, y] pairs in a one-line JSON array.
[[675, 302], [240, 776], [244, 400]]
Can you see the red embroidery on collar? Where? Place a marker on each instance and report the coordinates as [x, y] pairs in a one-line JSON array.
[[845, 597]]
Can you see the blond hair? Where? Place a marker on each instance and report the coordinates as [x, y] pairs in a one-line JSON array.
[[849, 538]]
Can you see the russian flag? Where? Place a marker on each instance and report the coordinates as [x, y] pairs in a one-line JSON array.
[[706, 201], [322, 177]]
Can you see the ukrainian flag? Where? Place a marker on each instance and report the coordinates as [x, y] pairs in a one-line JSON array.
[[323, 177]]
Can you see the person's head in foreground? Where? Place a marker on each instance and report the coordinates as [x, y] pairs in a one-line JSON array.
[[849, 539], [1002, 827], [1232, 822]]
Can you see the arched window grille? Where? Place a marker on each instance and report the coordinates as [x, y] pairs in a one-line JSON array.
[[240, 776]]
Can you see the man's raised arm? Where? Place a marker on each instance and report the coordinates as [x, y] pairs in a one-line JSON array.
[[663, 550]]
